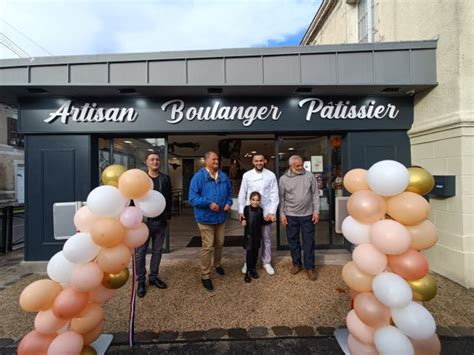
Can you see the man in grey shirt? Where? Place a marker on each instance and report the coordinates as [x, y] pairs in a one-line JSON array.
[[299, 210]]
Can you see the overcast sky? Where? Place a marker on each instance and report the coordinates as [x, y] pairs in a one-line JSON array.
[[70, 27]]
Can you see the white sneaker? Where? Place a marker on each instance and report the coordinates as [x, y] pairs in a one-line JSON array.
[[268, 268], [244, 268]]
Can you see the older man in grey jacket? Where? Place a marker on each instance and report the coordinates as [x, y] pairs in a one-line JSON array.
[[299, 211]]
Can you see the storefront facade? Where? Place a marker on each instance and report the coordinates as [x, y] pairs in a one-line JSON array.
[[67, 105]]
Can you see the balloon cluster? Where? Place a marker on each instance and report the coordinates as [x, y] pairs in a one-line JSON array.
[[388, 276], [92, 265]]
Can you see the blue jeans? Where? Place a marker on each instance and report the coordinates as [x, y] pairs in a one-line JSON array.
[[157, 235], [295, 224]]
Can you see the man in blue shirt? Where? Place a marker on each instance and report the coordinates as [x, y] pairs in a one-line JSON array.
[[210, 194]]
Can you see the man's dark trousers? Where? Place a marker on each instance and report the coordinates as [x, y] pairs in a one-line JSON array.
[[306, 226], [158, 229]]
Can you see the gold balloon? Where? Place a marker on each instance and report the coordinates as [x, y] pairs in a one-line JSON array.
[[421, 181], [114, 281], [88, 350], [111, 174], [424, 289]]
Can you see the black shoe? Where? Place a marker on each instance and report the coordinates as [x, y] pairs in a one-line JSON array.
[[141, 289], [254, 274], [247, 277], [208, 285], [220, 270], [158, 283]]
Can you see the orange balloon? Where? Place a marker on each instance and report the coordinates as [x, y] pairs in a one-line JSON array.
[[47, 323], [88, 319], [84, 219], [114, 259], [70, 303], [134, 183], [136, 237], [359, 329], [93, 334], [356, 180], [35, 343], [39, 295], [101, 294], [370, 311], [356, 347], [366, 206], [85, 277], [357, 280], [423, 235], [107, 232], [411, 265], [430, 346], [408, 208]]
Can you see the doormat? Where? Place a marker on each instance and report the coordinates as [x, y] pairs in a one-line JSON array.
[[230, 241]]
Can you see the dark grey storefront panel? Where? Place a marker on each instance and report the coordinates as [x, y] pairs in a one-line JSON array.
[[363, 149], [288, 115], [58, 169]]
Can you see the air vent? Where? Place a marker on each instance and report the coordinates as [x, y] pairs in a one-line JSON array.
[[214, 91], [304, 90], [127, 91], [36, 91], [391, 90]]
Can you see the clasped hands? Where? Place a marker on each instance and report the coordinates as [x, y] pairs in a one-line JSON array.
[[215, 207]]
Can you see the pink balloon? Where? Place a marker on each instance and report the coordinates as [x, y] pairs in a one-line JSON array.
[[411, 265], [358, 348], [47, 323], [390, 237], [366, 206], [101, 294], [358, 329], [136, 237], [84, 219], [85, 277], [368, 259], [131, 217], [66, 343], [70, 303]]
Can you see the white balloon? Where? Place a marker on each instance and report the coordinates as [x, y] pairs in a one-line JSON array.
[[354, 231], [106, 201], [80, 248], [414, 321], [392, 290], [391, 341], [59, 268], [388, 178], [152, 205]]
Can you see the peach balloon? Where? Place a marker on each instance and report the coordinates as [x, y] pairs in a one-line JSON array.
[[39, 295], [356, 180], [114, 259], [70, 303], [430, 346], [101, 294], [368, 259], [356, 347], [366, 206], [356, 279], [88, 319], [411, 265], [84, 219], [85, 277], [390, 237], [423, 235], [107, 232], [134, 183], [359, 329], [93, 334], [35, 343], [136, 237], [370, 311], [66, 343], [47, 323], [353, 293], [408, 208]]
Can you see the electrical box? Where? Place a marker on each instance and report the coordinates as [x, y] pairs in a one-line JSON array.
[[445, 186]]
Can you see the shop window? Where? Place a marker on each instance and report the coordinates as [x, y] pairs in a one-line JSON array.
[[15, 139], [365, 23]]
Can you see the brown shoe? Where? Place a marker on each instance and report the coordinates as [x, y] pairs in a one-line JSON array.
[[295, 269], [312, 275]]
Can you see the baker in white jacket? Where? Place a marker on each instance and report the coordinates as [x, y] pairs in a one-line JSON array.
[[263, 181]]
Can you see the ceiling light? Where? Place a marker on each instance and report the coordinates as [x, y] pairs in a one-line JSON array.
[[273, 157], [291, 148], [150, 150], [128, 142], [253, 152]]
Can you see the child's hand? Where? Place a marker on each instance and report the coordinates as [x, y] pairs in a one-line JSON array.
[[243, 223]]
